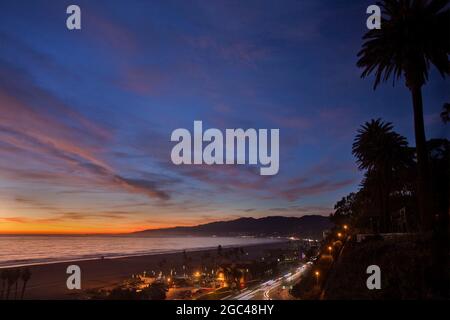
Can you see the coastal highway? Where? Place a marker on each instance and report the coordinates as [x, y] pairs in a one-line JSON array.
[[276, 289]]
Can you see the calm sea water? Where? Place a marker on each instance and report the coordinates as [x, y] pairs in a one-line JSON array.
[[26, 250]]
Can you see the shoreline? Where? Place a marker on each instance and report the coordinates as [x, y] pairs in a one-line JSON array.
[[110, 256], [48, 281]]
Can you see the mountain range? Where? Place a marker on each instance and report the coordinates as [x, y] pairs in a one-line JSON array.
[[309, 226]]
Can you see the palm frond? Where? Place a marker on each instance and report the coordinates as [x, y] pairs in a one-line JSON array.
[[414, 35]]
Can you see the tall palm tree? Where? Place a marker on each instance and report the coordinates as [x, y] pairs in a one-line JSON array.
[[10, 282], [413, 34], [16, 277], [381, 151], [4, 279], [25, 275]]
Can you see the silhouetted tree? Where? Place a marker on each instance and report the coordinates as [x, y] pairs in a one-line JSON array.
[[4, 279], [381, 151], [186, 262], [156, 291], [25, 276], [10, 281], [414, 34], [445, 114], [16, 277], [344, 210], [439, 150]]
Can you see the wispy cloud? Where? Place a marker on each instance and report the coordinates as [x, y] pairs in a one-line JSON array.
[[308, 189], [71, 142]]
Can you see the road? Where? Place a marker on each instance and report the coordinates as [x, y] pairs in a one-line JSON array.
[[276, 289]]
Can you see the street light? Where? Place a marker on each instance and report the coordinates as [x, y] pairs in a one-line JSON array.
[[339, 234], [330, 249], [317, 273], [345, 227]]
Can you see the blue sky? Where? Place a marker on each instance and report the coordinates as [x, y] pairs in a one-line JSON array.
[[87, 115]]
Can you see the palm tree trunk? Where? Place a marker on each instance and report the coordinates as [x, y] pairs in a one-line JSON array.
[[381, 195], [23, 289], [386, 195], [432, 220], [422, 161]]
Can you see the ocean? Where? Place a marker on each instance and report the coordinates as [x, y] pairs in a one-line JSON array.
[[22, 250]]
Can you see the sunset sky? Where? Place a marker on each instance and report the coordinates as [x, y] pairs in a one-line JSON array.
[[86, 116]]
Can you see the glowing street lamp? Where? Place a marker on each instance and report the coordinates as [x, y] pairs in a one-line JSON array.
[[330, 249], [345, 227], [339, 235], [317, 273]]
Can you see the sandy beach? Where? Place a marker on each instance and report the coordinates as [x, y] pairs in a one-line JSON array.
[[48, 281]]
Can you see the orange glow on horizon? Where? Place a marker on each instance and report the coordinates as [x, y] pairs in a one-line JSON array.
[[21, 228], [42, 225]]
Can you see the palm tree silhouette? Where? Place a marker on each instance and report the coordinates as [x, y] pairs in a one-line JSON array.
[[25, 275], [445, 114], [10, 281], [15, 278], [413, 34], [4, 279], [381, 151]]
